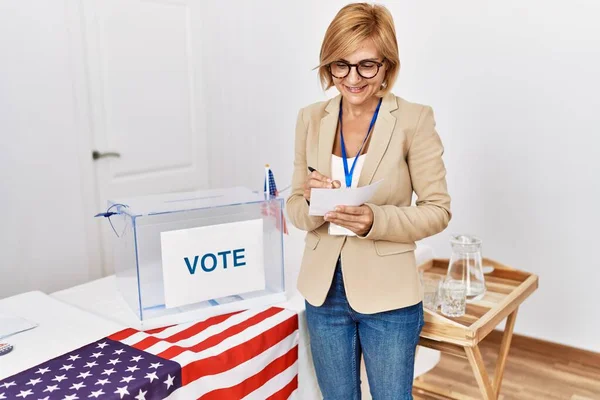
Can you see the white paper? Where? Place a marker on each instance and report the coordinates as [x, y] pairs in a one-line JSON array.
[[211, 262], [324, 200], [11, 325]]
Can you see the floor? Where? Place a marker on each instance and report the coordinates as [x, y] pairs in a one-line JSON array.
[[534, 370]]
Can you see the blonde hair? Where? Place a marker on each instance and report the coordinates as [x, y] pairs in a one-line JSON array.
[[351, 26]]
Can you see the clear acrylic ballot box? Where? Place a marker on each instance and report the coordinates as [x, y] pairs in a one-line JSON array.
[[198, 253]]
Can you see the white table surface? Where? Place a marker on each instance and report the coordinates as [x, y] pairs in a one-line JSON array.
[[61, 328]]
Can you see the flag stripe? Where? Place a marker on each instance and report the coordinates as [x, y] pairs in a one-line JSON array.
[[189, 356], [288, 378], [254, 382], [236, 374], [214, 340], [186, 333], [215, 327], [154, 331], [124, 334], [198, 327], [238, 354]]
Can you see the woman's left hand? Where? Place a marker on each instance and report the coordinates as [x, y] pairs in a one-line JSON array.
[[358, 219]]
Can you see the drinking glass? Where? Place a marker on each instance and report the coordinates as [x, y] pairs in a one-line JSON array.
[[454, 298], [431, 289]]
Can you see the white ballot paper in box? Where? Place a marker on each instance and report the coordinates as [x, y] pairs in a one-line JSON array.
[[324, 200]]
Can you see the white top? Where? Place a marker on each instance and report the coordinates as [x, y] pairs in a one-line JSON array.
[[337, 174]]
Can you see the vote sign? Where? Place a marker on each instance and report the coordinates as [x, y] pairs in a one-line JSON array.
[[210, 262]]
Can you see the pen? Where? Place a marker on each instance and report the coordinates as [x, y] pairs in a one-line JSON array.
[[311, 169]]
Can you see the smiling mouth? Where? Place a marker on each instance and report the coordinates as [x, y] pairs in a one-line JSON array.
[[355, 89]]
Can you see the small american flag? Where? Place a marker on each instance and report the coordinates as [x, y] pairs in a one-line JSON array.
[[248, 354], [270, 188]]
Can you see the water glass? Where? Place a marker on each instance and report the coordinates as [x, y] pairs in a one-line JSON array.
[[431, 288], [454, 298]]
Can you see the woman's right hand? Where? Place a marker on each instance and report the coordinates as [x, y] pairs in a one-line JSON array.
[[317, 180]]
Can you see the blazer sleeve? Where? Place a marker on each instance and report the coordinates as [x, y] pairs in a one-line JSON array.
[[432, 213], [296, 205]]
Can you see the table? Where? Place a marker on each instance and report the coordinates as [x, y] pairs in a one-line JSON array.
[[100, 297], [62, 328], [209, 359], [507, 288]]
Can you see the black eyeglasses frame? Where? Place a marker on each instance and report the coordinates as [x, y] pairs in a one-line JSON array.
[[350, 66]]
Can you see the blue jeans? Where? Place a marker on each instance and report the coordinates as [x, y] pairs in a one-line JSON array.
[[387, 341]]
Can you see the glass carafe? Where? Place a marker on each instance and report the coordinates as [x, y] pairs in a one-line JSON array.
[[466, 265]]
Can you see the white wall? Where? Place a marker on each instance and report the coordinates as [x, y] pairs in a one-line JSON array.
[[514, 87], [43, 225]]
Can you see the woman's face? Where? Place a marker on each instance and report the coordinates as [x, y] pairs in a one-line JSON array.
[[357, 89]]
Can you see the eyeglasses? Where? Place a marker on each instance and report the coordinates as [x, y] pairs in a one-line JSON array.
[[367, 69]]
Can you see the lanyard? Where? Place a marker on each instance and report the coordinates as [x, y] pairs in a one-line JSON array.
[[348, 174]]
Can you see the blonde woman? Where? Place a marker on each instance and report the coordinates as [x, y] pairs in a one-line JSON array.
[[358, 272]]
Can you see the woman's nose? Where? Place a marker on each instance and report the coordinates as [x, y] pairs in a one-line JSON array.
[[353, 77]]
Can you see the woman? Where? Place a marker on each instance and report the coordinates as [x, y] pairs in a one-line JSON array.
[[358, 272]]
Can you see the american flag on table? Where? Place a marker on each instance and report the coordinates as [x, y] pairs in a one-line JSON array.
[[270, 188], [250, 354]]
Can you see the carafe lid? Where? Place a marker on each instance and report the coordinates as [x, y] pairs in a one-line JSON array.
[[465, 242]]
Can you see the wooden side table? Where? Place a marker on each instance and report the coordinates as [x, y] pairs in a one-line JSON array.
[[506, 288]]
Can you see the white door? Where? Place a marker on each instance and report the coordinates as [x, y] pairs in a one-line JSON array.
[[144, 64], [48, 238]]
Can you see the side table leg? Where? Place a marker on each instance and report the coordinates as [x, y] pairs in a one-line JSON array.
[[483, 379], [504, 347]]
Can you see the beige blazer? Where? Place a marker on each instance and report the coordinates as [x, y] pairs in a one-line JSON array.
[[406, 152]]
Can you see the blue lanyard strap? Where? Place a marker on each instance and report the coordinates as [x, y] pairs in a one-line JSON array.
[[348, 174]]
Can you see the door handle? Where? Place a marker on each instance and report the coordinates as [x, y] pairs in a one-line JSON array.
[[96, 154]]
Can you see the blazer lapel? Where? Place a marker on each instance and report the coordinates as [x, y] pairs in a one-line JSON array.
[[327, 132], [382, 133]]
